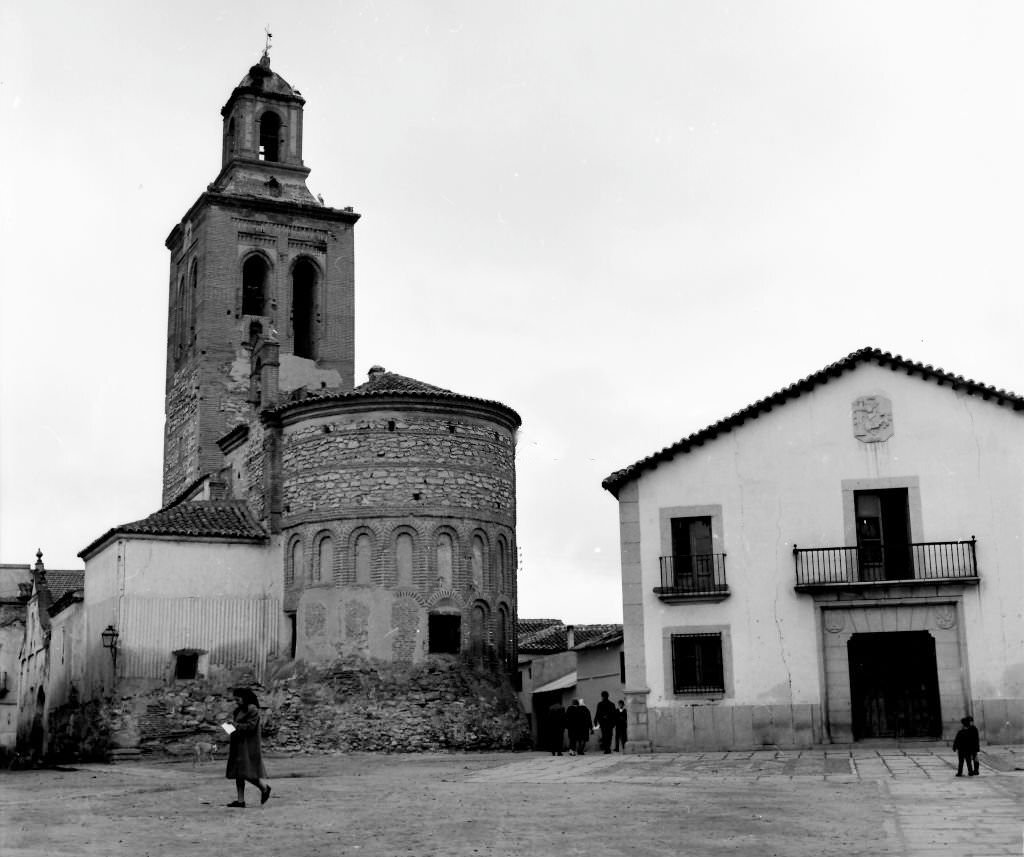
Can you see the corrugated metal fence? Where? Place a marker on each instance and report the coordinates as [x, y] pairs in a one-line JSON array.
[[235, 632]]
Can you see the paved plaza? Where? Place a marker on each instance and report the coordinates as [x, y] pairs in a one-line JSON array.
[[857, 801]]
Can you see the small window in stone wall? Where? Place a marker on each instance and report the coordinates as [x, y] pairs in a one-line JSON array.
[[403, 559], [364, 556], [444, 632], [186, 665]]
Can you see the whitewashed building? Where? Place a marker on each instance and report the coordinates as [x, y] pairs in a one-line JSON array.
[[840, 561]]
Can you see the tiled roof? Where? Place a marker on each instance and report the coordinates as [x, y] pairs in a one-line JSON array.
[[608, 638], [229, 519], [526, 627], [60, 583], [392, 382], [553, 636], [883, 358], [390, 385]]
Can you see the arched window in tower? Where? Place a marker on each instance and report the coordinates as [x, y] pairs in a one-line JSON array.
[[324, 566], [304, 308], [270, 133], [229, 143], [501, 634], [403, 559], [191, 297], [499, 561], [477, 632], [364, 555], [178, 331], [293, 567], [254, 285], [478, 562], [444, 561]]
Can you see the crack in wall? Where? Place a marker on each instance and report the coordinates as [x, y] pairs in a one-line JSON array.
[[775, 608]]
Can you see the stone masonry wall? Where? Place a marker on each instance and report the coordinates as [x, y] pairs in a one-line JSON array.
[[391, 460], [349, 705], [181, 447]]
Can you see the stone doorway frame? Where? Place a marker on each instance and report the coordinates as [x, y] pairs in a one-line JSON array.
[[940, 617]]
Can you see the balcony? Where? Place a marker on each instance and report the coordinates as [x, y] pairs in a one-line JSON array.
[[696, 577], [819, 569]]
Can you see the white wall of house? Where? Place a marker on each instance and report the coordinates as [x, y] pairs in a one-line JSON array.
[[217, 597], [597, 669], [778, 481]]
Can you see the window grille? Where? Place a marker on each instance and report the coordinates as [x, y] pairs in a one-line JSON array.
[[697, 663]]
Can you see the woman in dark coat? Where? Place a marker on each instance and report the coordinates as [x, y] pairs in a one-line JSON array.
[[245, 757]]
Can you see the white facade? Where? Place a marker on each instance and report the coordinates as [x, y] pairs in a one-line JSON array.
[[946, 462], [215, 598]]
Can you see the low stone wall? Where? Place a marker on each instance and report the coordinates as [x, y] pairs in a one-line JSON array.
[[350, 705]]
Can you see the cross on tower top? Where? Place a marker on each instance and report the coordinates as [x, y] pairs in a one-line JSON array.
[[266, 47]]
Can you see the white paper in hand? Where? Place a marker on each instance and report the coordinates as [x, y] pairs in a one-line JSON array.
[[227, 727]]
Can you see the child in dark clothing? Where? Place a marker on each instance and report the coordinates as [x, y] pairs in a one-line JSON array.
[[967, 744]]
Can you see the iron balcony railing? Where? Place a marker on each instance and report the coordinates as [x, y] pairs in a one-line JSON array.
[[920, 561], [693, 575]]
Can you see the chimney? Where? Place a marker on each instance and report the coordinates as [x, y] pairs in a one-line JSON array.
[[376, 372], [570, 636]]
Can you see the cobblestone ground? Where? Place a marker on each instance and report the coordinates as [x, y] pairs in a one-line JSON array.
[[861, 801]]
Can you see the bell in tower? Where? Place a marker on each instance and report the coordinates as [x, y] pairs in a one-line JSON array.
[[259, 266]]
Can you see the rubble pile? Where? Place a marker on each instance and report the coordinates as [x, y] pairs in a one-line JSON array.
[[351, 705]]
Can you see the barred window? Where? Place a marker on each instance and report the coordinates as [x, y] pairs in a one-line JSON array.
[[697, 663]]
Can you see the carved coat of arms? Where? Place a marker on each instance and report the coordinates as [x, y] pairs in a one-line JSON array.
[[872, 419]]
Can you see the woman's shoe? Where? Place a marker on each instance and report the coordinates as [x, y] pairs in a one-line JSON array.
[[264, 794], [237, 803]]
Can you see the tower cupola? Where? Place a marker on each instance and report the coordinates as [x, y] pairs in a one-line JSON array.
[[262, 138]]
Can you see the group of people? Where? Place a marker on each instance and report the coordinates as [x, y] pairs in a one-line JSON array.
[[577, 722]]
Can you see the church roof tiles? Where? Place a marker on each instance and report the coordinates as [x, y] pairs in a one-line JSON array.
[[384, 384], [895, 362], [230, 519]]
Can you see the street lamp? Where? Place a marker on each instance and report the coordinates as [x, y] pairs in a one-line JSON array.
[[109, 637]]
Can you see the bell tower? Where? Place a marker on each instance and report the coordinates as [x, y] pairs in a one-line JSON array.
[[256, 257]]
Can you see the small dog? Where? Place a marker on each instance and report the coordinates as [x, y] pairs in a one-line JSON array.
[[202, 752]]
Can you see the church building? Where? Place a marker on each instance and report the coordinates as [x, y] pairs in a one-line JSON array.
[[303, 516]]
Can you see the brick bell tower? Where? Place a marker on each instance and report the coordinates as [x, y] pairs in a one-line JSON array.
[[256, 256]]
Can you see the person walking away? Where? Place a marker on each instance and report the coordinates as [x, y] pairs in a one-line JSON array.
[[967, 745], [245, 753], [621, 719], [573, 716], [586, 727], [604, 714], [554, 729]]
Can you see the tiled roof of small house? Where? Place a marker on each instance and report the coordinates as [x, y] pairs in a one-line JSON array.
[[554, 636], [611, 637], [60, 583], [895, 362], [526, 627], [381, 384], [229, 519]]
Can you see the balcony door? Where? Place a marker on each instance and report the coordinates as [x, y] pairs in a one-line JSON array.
[[692, 553], [883, 534]]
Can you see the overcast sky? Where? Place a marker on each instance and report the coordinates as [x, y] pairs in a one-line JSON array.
[[625, 220]]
